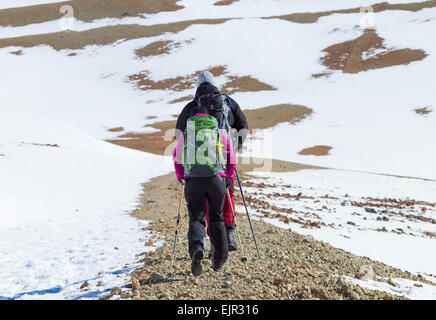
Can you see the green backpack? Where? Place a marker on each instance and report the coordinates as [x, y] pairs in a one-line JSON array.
[[202, 150]]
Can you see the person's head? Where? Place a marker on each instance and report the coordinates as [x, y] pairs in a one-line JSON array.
[[205, 76]]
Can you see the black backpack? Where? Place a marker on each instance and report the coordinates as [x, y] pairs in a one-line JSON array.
[[212, 104]]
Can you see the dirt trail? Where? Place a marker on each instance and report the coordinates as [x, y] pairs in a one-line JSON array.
[[292, 266]]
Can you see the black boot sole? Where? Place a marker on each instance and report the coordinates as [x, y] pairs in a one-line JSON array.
[[218, 267], [196, 263]]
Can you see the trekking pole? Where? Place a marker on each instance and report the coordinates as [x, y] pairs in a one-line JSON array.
[[240, 186], [246, 210], [244, 258], [177, 225]]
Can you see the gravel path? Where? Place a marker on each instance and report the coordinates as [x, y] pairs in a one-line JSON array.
[[292, 266]]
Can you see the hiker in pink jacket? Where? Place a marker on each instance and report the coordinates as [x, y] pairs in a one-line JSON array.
[[206, 193], [235, 118]]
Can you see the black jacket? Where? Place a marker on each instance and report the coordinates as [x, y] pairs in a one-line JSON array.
[[236, 118]]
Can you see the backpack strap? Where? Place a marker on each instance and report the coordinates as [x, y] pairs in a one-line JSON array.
[[230, 104]]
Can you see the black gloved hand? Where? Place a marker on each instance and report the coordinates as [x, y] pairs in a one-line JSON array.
[[229, 184]]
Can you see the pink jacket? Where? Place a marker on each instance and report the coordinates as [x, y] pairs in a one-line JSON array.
[[231, 157]]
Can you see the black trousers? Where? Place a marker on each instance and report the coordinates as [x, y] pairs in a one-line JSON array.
[[198, 192]]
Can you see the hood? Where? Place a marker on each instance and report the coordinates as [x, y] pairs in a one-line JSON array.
[[205, 88]]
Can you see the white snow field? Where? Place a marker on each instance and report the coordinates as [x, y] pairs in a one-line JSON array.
[[346, 191], [65, 195], [385, 218], [65, 198], [375, 109]]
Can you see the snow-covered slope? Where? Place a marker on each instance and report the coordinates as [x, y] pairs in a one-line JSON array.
[[65, 198], [385, 218], [367, 118]]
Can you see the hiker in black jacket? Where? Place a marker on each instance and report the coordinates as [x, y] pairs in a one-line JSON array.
[[236, 120], [206, 85]]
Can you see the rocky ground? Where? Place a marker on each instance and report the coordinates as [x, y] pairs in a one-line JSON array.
[[292, 266]]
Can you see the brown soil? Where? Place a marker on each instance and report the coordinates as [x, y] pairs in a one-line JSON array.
[[258, 119], [182, 99], [347, 56], [321, 75], [316, 151], [245, 84], [155, 49], [100, 36], [150, 142], [17, 53], [235, 84], [270, 116], [423, 111], [84, 10], [312, 17], [174, 84], [117, 129], [224, 2]]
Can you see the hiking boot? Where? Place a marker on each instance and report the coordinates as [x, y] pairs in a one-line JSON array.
[[217, 265], [196, 263], [231, 240]]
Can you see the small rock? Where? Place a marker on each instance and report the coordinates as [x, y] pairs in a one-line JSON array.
[[143, 276], [391, 282], [344, 289], [359, 275], [135, 284], [125, 295], [115, 291], [156, 277], [84, 285], [352, 295], [136, 293]]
